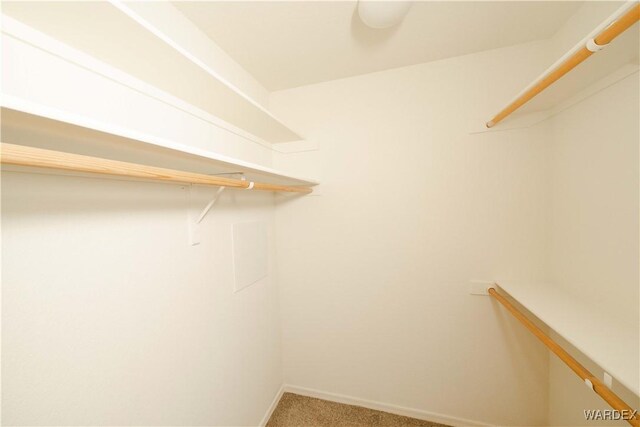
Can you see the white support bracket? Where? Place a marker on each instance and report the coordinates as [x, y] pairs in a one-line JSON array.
[[588, 383], [207, 208], [195, 216], [607, 380], [592, 46]]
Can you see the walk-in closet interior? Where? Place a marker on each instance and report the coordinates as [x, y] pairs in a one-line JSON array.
[[320, 213]]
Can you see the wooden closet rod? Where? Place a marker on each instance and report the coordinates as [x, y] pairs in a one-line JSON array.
[[609, 396], [20, 155], [602, 39]]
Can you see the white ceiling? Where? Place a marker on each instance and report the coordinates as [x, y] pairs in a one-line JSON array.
[[289, 44]]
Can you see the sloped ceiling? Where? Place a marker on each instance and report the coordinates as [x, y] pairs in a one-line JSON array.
[[289, 44]]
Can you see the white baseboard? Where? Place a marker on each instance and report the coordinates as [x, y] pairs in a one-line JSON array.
[[393, 409], [272, 407]]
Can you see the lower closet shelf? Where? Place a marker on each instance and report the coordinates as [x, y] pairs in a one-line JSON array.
[[585, 326]]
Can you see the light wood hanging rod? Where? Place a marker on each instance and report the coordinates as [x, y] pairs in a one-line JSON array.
[[20, 155], [603, 38], [605, 392]]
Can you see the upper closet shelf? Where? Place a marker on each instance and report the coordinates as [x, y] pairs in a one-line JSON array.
[[41, 127], [170, 46], [611, 52], [610, 342]]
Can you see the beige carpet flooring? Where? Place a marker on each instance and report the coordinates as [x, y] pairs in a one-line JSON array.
[[297, 411]]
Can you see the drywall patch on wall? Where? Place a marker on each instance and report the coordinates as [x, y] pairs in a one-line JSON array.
[[250, 257]]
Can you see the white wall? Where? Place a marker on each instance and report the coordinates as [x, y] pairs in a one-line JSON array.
[[109, 317], [374, 271], [594, 225], [595, 199]]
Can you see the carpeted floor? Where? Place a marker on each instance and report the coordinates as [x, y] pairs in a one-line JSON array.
[[297, 411]]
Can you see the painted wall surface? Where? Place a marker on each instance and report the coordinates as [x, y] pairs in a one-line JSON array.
[[595, 225], [374, 271], [595, 199], [109, 317]]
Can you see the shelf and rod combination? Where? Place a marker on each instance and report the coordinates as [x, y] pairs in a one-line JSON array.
[[619, 25], [594, 383], [20, 155]]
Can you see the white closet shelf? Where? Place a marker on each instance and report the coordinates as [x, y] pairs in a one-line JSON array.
[[54, 130], [611, 343], [616, 60], [208, 95]]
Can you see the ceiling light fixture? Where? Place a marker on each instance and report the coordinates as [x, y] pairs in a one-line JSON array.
[[382, 14]]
